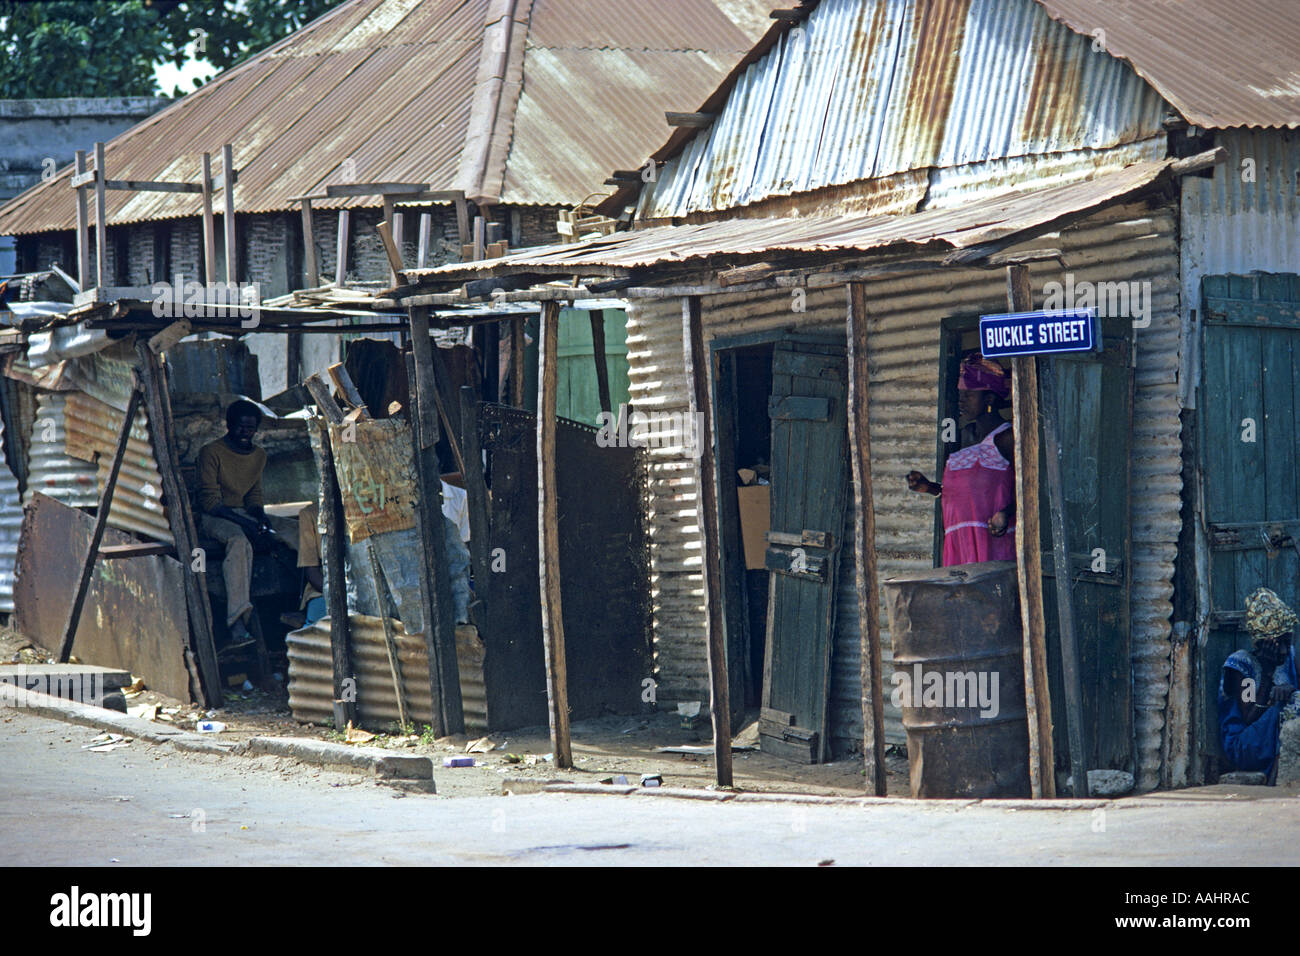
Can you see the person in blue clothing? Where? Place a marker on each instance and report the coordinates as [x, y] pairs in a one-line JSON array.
[[1257, 690]]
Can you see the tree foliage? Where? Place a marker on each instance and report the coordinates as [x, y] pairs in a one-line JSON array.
[[89, 48]]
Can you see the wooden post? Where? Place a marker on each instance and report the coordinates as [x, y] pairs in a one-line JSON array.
[[228, 188], [309, 247], [1070, 666], [480, 242], [390, 643], [602, 366], [176, 498], [83, 227], [548, 537], [336, 594], [706, 496], [1029, 562], [209, 226], [101, 219], [518, 344], [462, 220], [97, 535], [422, 250], [476, 490], [435, 586], [390, 244], [341, 249], [864, 544]]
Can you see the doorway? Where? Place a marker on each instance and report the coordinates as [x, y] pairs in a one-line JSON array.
[[782, 451]]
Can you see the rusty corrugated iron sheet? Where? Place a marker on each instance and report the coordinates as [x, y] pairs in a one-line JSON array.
[[311, 674], [383, 91], [134, 616], [937, 231], [50, 469], [1221, 63], [867, 89]]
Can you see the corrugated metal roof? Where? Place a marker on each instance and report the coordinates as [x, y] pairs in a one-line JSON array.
[[1221, 63], [934, 84], [938, 230], [389, 85]]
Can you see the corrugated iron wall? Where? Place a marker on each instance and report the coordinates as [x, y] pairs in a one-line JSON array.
[[50, 469], [311, 675], [867, 89], [11, 521], [1131, 244]]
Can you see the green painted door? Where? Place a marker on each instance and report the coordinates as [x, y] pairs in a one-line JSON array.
[[1095, 405], [577, 397], [1249, 397], [809, 494]]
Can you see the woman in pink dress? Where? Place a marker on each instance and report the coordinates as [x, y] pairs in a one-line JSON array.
[[979, 484]]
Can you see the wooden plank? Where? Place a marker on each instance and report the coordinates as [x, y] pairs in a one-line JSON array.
[[597, 317], [319, 391], [375, 189], [228, 192], [336, 595], [462, 221], [799, 408], [101, 221], [143, 549], [479, 240], [341, 248], [101, 522], [517, 352], [343, 382], [1029, 571], [435, 585], [422, 248], [548, 535], [866, 582], [696, 366], [158, 410], [693, 120], [311, 267], [391, 251], [209, 225], [1070, 662], [83, 227], [443, 398]]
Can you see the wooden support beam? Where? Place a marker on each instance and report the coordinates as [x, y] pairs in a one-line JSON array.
[[435, 585], [390, 642], [548, 539], [445, 400], [864, 544], [341, 248], [375, 189], [477, 493], [1076, 730], [101, 221], [97, 535], [334, 530], [518, 343], [228, 191], [311, 267], [422, 249], [597, 317], [480, 240], [696, 359], [209, 225], [693, 120], [176, 499], [83, 227], [462, 220], [142, 549], [1029, 562]]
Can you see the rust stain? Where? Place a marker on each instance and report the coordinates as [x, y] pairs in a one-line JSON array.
[[938, 29], [1054, 89]]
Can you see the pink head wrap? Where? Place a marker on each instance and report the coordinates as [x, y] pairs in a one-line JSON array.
[[979, 374]]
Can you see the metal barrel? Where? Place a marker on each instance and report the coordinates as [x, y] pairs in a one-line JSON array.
[[959, 680]]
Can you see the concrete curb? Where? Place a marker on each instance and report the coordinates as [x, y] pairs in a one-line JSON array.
[[386, 767]]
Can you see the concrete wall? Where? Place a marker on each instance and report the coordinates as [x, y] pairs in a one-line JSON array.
[[41, 135]]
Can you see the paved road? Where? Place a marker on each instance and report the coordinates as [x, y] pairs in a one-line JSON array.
[[60, 804]]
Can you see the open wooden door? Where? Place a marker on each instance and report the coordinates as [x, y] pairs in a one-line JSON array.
[[809, 494]]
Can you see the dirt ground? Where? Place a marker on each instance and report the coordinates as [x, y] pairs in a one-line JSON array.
[[607, 747]]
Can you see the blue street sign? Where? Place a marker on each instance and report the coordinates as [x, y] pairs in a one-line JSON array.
[[1039, 333]]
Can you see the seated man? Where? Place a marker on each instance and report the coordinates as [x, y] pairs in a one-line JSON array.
[[1257, 690], [232, 509]]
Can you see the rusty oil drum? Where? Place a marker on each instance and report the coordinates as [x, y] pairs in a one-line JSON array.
[[967, 734]]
